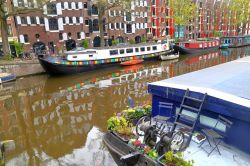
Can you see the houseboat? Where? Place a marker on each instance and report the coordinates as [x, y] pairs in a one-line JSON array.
[[235, 41], [81, 60], [224, 97], [197, 46]]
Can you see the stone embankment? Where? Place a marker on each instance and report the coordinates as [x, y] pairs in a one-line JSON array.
[[21, 68]]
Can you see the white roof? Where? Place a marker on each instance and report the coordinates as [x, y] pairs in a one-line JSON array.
[[229, 81]]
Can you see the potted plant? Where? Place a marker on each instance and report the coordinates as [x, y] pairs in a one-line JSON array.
[[171, 159], [120, 127]]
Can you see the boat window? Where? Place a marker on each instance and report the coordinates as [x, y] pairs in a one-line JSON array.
[[122, 51], [148, 48], [74, 56], [113, 52], [142, 48], [129, 50], [154, 48], [93, 52], [136, 49], [90, 56]]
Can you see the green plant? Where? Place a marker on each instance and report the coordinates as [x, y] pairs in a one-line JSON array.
[[85, 43], [115, 42], [172, 159], [144, 39], [137, 112], [19, 48], [131, 41], [7, 57]]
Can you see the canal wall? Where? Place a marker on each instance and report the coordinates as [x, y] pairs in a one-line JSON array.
[[20, 69]]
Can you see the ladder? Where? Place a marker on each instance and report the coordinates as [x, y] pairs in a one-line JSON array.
[[191, 104]]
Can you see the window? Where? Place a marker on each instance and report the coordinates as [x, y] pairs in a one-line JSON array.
[[33, 20], [113, 52], [77, 20], [148, 48], [70, 5], [129, 50], [64, 21], [117, 25], [77, 5], [136, 49], [20, 3], [23, 20], [95, 25], [94, 10], [78, 35], [111, 12], [85, 5], [122, 51], [129, 28], [86, 22], [142, 49], [154, 48], [41, 20], [53, 24], [60, 36], [70, 20], [9, 30], [112, 25], [62, 4], [122, 25], [31, 4], [51, 8], [128, 16], [26, 38]]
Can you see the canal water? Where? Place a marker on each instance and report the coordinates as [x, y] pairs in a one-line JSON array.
[[61, 120]]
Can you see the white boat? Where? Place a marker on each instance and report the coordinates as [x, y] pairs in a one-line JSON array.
[[6, 77], [170, 56]]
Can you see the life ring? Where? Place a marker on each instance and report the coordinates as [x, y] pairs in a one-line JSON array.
[[164, 46]]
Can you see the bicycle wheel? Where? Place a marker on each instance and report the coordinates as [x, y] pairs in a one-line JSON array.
[[177, 141], [145, 120]]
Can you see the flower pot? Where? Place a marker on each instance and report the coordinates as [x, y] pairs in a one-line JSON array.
[[121, 137]]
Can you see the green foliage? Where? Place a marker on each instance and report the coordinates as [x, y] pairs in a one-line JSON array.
[[115, 42], [7, 57], [19, 48], [144, 39], [183, 11], [85, 43], [137, 112], [120, 125], [175, 159], [131, 41]]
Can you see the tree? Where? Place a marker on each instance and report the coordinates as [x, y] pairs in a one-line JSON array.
[[183, 11], [7, 9], [103, 8], [240, 13]]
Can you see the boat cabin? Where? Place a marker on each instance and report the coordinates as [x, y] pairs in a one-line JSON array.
[[228, 95]]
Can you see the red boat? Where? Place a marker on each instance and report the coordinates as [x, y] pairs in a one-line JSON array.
[[131, 62], [193, 47]]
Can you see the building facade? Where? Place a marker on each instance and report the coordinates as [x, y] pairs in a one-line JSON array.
[[146, 20]]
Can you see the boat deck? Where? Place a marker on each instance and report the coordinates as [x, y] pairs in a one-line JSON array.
[[229, 156], [229, 81]]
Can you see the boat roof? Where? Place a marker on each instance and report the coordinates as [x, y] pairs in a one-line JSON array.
[[229, 81], [235, 36]]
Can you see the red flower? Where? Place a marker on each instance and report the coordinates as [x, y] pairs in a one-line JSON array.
[[146, 150], [137, 143]]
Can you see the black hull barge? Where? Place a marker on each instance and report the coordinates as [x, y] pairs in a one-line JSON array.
[[82, 60]]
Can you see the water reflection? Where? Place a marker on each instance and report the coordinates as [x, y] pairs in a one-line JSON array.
[[60, 121]]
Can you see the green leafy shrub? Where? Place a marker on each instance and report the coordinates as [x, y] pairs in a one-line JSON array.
[[144, 39], [85, 43], [115, 42], [131, 41], [172, 159]]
